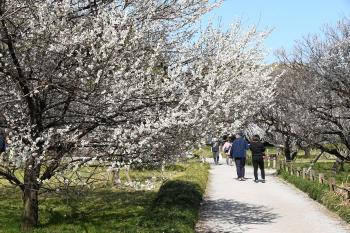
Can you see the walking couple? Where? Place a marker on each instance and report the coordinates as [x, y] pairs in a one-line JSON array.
[[238, 153]]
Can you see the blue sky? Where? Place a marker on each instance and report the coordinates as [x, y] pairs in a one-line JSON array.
[[289, 19]]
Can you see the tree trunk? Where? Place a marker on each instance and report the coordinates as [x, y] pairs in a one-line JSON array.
[[307, 151], [127, 169], [116, 177], [314, 161], [287, 149], [30, 198], [30, 208], [338, 166]]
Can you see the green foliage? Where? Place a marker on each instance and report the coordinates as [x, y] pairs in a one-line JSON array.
[[342, 177], [320, 193], [204, 151], [175, 167], [116, 210]]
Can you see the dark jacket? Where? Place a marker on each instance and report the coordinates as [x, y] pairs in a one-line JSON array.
[[239, 148], [257, 149], [215, 146]]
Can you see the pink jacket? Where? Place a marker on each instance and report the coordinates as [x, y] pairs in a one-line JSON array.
[[227, 146]]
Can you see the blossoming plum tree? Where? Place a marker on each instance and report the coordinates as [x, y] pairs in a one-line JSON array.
[[118, 83]]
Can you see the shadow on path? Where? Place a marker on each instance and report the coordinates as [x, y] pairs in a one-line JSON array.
[[231, 216]]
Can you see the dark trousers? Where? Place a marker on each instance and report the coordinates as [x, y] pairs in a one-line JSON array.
[[240, 163], [260, 164], [216, 157]]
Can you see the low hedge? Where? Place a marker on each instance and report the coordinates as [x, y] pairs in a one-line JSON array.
[[320, 193], [177, 203]]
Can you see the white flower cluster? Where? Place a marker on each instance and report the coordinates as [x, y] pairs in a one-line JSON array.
[[121, 83]]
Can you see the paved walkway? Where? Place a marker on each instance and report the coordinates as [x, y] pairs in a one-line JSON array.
[[272, 207]]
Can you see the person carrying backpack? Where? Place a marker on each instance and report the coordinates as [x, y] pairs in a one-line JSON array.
[[215, 149], [226, 148]]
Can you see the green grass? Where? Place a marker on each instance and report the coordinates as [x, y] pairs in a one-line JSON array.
[[203, 151], [320, 193], [110, 209], [178, 201], [342, 177]]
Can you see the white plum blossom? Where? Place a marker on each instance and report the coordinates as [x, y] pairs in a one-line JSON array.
[[118, 83]]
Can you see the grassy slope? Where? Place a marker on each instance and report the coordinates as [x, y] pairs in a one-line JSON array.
[[115, 210], [321, 194], [342, 177]]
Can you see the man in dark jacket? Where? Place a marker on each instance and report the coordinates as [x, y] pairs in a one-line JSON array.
[[257, 148], [238, 153]]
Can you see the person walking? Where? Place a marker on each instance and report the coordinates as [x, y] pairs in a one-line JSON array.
[[215, 149], [226, 148], [238, 153], [257, 148]]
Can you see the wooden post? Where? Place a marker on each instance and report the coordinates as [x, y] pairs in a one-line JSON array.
[[304, 173], [291, 169], [312, 175], [268, 162], [281, 165], [331, 182], [321, 178], [298, 171]]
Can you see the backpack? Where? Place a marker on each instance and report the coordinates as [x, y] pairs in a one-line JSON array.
[[215, 147], [227, 148]]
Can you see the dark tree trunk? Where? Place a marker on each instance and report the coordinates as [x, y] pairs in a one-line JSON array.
[[287, 149], [307, 151], [338, 165], [30, 198]]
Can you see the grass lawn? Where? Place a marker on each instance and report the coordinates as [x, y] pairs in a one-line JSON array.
[[342, 177], [109, 209]]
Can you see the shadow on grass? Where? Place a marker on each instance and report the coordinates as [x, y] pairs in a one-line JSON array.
[[173, 209], [232, 216], [179, 193], [104, 211]]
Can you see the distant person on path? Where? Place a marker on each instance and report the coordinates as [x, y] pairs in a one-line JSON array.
[[257, 148], [226, 148], [238, 153], [215, 149]]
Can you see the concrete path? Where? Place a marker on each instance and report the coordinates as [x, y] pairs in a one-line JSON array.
[[272, 207]]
